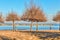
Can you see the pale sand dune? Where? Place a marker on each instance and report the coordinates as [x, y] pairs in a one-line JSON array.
[[17, 35]]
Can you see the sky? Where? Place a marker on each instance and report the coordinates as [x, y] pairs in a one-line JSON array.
[[49, 7]]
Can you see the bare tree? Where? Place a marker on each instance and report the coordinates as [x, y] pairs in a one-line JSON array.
[[1, 18], [57, 18], [34, 14], [13, 17]]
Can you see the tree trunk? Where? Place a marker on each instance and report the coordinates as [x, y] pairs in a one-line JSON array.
[[31, 26], [59, 25], [50, 26], [13, 26], [37, 26]]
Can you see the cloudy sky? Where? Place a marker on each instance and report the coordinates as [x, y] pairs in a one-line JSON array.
[[49, 7]]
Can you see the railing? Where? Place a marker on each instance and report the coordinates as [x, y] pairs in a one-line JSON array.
[[46, 26]]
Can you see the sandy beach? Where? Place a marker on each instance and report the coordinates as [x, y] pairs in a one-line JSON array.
[[16, 35], [30, 35], [46, 34]]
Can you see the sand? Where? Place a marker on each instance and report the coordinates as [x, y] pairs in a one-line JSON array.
[[46, 34], [16, 35], [30, 35]]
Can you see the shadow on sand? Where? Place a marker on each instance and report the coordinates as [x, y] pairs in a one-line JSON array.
[[6, 38]]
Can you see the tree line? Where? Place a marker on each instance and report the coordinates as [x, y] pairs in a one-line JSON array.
[[32, 14]]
